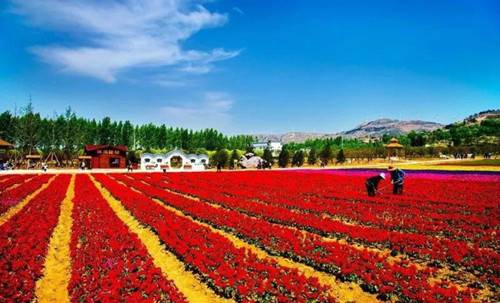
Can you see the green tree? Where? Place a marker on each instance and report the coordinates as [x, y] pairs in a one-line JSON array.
[[326, 154], [312, 158], [105, 132], [234, 158], [268, 156], [70, 134], [249, 148], [284, 157], [8, 127], [28, 129], [340, 156], [490, 127], [221, 157], [127, 135], [298, 158]]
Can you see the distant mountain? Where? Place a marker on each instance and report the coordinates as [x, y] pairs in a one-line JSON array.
[[380, 127], [371, 129], [291, 137]]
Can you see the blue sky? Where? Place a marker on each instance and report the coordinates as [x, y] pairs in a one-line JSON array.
[[252, 66]]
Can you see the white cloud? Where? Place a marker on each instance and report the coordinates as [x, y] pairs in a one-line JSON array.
[[212, 111], [113, 36], [196, 69]]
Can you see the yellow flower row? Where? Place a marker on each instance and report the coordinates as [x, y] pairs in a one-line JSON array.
[[53, 286]]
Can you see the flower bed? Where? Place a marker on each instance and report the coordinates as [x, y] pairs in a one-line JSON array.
[[106, 257], [274, 236], [25, 240]]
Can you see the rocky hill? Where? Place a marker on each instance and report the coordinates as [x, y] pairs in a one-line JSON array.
[[379, 127], [477, 118], [371, 129]]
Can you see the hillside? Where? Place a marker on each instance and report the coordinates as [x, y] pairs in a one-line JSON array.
[[375, 128], [379, 127], [477, 118]]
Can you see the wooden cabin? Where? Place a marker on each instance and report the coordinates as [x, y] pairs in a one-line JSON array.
[[106, 156]]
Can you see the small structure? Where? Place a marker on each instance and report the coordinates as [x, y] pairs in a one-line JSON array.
[[106, 156], [4, 150], [393, 148], [250, 160], [173, 160]]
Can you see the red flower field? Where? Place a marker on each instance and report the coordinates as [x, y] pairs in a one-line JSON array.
[[280, 236]]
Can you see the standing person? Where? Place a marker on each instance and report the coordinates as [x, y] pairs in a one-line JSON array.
[[372, 184], [82, 165], [397, 180], [130, 168], [219, 166]]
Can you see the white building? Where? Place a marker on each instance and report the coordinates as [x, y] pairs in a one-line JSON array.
[[274, 146], [173, 160]]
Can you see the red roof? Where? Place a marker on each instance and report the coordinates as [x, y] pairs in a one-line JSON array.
[[92, 147], [4, 143]]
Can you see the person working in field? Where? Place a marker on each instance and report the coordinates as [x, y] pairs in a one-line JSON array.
[[372, 184], [397, 180]]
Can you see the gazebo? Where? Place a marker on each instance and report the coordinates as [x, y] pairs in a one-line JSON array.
[[393, 148]]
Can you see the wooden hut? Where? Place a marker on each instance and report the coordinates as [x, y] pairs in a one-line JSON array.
[[106, 156]]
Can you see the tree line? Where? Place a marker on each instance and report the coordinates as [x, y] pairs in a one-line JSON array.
[[66, 135]]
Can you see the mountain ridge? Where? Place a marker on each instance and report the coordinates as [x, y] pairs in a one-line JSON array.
[[366, 130]]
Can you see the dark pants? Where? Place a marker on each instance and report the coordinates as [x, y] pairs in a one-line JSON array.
[[397, 189], [371, 189]]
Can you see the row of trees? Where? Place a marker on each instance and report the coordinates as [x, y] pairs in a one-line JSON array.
[[67, 133], [286, 157]]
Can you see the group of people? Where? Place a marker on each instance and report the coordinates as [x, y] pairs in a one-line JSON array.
[[397, 181], [6, 165], [464, 156]]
